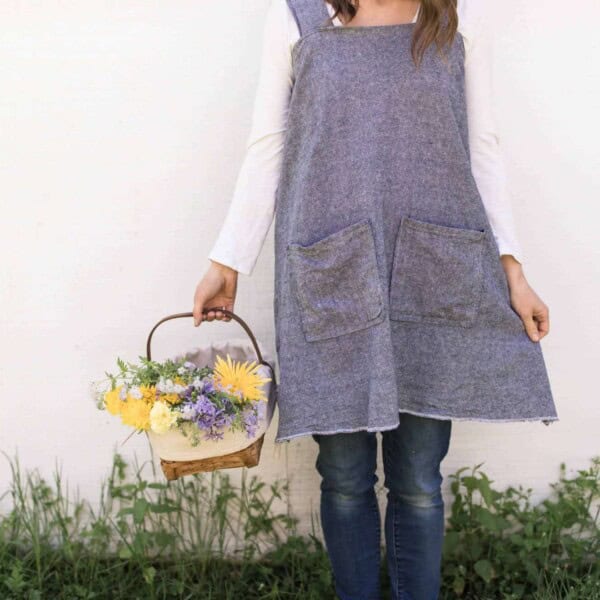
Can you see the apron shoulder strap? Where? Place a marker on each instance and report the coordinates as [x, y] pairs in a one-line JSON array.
[[309, 14]]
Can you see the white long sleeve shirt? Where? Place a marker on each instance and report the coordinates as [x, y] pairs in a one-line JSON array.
[[251, 210]]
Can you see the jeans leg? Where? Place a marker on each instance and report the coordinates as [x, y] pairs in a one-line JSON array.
[[414, 519], [350, 512]]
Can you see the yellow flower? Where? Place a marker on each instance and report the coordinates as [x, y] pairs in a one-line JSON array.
[[136, 413], [171, 398], [162, 417], [242, 377], [112, 401], [148, 393], [142, 392]]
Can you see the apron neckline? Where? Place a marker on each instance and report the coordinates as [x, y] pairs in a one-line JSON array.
[[329, 10], [365, 27]]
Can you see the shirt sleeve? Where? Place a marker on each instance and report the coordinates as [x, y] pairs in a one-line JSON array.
[[252, 208], [487, 163]]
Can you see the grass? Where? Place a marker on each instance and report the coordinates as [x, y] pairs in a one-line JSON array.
[[201, 537]]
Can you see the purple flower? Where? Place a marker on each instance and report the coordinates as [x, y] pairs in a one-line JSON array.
[[250, 421], [206, 410], [207, 415], [204, 385], [208, 385], [213, 435]]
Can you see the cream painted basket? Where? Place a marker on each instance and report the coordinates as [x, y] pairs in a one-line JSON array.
[[177, 456]]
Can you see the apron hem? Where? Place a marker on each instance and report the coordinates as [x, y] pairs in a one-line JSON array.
[[376, 428], [546, 420]]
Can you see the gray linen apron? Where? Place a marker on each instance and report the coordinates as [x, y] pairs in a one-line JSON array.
[[389, 291]]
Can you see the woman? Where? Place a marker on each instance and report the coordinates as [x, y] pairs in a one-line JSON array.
[[400, 301]]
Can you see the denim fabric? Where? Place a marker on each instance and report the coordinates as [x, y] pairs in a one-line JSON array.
[[389, 292], [336, 282], [414, 517], [437, 273]]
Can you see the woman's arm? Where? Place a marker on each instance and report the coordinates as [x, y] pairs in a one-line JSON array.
[[251, 211], [488, 169], [487, 162]]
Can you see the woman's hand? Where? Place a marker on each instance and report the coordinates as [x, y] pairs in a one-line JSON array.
[[216, 288], [526, 303]]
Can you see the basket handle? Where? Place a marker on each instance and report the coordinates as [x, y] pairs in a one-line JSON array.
[[261, 360]]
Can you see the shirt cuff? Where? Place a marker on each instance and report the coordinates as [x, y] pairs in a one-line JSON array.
[[507, 249], [240, 266]]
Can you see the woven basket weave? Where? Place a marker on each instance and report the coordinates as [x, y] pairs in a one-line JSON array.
[[177, 456]]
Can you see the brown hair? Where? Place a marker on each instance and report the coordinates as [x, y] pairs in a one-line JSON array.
[[437, 22]]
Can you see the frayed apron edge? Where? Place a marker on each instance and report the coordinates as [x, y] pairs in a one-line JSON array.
[[352, 430], [546, 420]]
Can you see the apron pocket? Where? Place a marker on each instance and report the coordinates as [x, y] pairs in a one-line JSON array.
[[437, 273], [337, 282]]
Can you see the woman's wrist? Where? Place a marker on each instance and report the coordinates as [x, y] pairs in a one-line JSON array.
[[227, 270], [512, 268]]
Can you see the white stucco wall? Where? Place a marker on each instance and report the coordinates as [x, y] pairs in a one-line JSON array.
[[122, 130]]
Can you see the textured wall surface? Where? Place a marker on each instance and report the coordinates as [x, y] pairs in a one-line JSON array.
[[123, 128]]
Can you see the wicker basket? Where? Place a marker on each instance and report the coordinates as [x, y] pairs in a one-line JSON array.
[[177, 456]]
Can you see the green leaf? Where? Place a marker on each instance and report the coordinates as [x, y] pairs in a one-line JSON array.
[[125, 553], [163, 508], [139, 510], [470, 482], [149, 574], [475, 549], [158, 486], [164, 538], [451, 541], [528, 529], [486, 491], [484, 569], [491, 521], [486, 518], [458, 586]]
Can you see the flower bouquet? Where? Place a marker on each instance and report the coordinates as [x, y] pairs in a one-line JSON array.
[[201, 411]]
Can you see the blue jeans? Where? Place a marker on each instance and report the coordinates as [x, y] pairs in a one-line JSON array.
[[414, 518]]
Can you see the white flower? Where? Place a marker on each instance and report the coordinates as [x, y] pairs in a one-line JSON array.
[[135, 392], [168, 387], [189, 412], [164, 385]]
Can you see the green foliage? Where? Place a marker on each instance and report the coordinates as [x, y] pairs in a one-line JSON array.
[[195, 537], [202, 537], [148, 372], [498, 545]]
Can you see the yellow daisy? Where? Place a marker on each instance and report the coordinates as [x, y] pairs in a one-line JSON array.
[[242, 377], [171, 398], [112, 401], [136, 413], [148, 393]]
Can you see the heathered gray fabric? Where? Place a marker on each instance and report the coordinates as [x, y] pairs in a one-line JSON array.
[[389, 292]]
